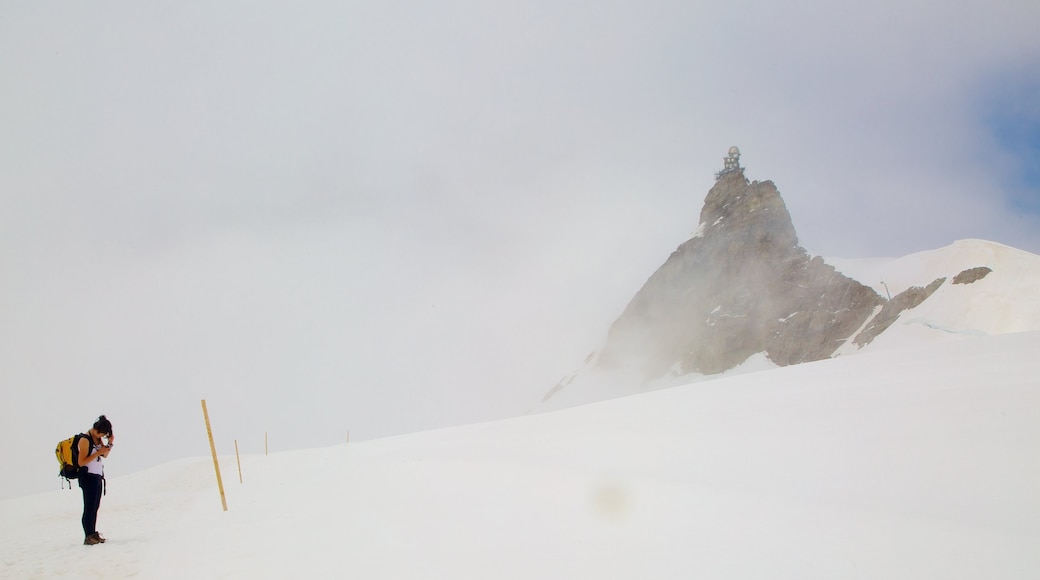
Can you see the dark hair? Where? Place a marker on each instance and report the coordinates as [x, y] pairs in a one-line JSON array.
[[103, 425]]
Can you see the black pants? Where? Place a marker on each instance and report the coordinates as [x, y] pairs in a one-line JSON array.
[[92, 487]]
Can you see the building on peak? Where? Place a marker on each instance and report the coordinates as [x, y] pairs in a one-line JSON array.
[[731, 163]]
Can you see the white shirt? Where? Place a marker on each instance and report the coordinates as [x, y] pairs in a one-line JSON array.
[[95, 467]]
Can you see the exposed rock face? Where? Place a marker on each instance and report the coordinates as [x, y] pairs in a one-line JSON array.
[[972, 275], [905, 300], [742, 285]]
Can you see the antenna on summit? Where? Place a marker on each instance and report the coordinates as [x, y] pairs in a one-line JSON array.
[[731, 163]]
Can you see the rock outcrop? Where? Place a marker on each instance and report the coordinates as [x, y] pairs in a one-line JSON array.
[[905, 300], [972, 275], [741, 285]]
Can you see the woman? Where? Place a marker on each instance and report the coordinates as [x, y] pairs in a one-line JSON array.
[[92, 478]]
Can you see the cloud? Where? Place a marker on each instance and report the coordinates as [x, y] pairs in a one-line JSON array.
[[293, 211]]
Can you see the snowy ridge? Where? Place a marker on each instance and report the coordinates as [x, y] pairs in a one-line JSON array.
[[1006, 300], [912, 463]]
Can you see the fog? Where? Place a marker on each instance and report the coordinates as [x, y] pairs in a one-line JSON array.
[[393, 216]]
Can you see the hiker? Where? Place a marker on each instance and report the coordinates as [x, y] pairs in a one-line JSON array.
[[92, 480]]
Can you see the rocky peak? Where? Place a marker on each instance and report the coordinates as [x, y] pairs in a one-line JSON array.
[[741, 285]]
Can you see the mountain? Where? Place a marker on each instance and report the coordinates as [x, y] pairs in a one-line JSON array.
[[741, 292]]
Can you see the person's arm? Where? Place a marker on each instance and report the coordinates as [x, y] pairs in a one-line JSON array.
[[85, 456]]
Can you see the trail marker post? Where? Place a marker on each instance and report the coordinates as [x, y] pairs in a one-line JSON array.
[[213, 450], [238, 461]]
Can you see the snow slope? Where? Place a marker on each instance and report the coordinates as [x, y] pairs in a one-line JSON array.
[[902, 463], [1006, 300]]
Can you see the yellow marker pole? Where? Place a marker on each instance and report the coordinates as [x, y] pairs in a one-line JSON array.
[[239, 461], [213, 450]]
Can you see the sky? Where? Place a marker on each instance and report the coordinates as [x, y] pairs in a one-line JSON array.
[[904, 463], [285, 210]]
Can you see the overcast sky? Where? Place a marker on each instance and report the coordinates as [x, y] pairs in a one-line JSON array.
[[298, 210]]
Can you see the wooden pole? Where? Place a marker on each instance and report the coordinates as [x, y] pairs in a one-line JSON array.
[[348, 436], [213, 450], [239, 461]]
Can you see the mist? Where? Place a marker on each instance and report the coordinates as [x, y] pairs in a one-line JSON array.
[[388, 217]]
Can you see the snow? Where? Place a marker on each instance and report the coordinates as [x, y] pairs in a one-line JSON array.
[[699, 232], [919, 462], [917, 456], [1002, 302]]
